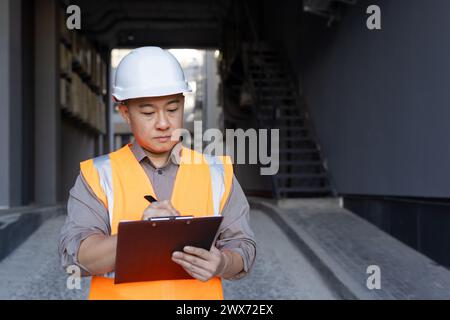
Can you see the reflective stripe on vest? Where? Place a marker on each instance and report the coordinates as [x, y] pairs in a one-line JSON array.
[[217, 180], [103, 166]]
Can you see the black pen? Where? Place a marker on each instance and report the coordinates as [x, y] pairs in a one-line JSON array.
[[150, 199]]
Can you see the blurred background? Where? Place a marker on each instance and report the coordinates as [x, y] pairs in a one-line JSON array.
[[363, 118]]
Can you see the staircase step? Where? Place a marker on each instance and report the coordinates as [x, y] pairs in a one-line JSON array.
[[293, 128], [299, 163], [269, 104], [263, 63], [284, 109], [298, 139], [298, 151], [304, 133], [275, 90], [259, 77], [266, 66], [301, 175], [268, 87], [288, 107], [282, 119], [267, 94], [281, 114], [268, 75], [272, 82], [267, 72], [267, 98], [287, 190], [287, 128], [297, 130]]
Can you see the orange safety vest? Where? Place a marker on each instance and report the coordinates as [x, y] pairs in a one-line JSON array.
[[202, 186]]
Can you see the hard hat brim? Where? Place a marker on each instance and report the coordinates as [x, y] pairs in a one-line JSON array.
[[141, 92]]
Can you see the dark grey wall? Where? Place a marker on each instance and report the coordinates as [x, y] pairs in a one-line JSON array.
[[47, 111], [78, 145], [379, 99], [5, 106], [11, 107], [28, 101]]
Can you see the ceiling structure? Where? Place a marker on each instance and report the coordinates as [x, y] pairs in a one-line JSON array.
[[166, 23]]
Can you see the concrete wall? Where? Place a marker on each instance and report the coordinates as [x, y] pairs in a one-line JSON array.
[[78, 145], [47, 109], [379, 99], [11, 104], [4, 92]]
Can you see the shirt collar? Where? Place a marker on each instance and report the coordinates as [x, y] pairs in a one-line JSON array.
[[175, 154]]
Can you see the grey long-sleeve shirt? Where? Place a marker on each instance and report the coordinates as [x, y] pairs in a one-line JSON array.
[[86, 214]]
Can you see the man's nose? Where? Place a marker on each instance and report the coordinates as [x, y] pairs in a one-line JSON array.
[[162, 123]]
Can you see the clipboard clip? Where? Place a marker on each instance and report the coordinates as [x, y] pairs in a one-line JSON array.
[[170, 218]]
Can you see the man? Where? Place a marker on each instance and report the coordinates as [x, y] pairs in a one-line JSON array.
[[149, 86]]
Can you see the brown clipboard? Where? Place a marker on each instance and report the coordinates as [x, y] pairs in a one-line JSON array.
[[144, 248]]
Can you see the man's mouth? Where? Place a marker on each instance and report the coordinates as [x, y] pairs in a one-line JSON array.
[[163, 138]]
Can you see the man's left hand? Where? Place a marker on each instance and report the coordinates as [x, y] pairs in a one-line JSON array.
[[201, 264]]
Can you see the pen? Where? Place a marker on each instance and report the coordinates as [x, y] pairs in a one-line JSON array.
[[150, 199]]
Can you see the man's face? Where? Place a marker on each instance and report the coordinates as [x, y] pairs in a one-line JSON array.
[[153, 120]]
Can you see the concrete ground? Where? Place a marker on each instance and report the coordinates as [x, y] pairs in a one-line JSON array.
[[281, 271], [351, 253], [33, 270]]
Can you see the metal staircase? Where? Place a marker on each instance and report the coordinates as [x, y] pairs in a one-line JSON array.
[[277, 104]]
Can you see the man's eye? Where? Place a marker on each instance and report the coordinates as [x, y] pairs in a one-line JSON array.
[[148, 113], [172, 110]]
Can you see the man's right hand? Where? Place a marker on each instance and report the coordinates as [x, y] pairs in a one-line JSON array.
[[159, 209]]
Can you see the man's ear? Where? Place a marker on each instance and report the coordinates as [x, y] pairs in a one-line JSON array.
[[183, 100], [124, 112]]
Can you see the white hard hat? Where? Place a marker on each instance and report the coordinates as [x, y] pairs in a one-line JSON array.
[[148, 72]]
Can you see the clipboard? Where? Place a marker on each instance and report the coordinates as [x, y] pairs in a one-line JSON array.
[[144, 248]]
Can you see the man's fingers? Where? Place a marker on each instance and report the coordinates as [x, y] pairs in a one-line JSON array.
[[160, 209], [196, 276], [199, 252], [164, 205], [193, 270], [154, 212], [199, 262], [199, 277]]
